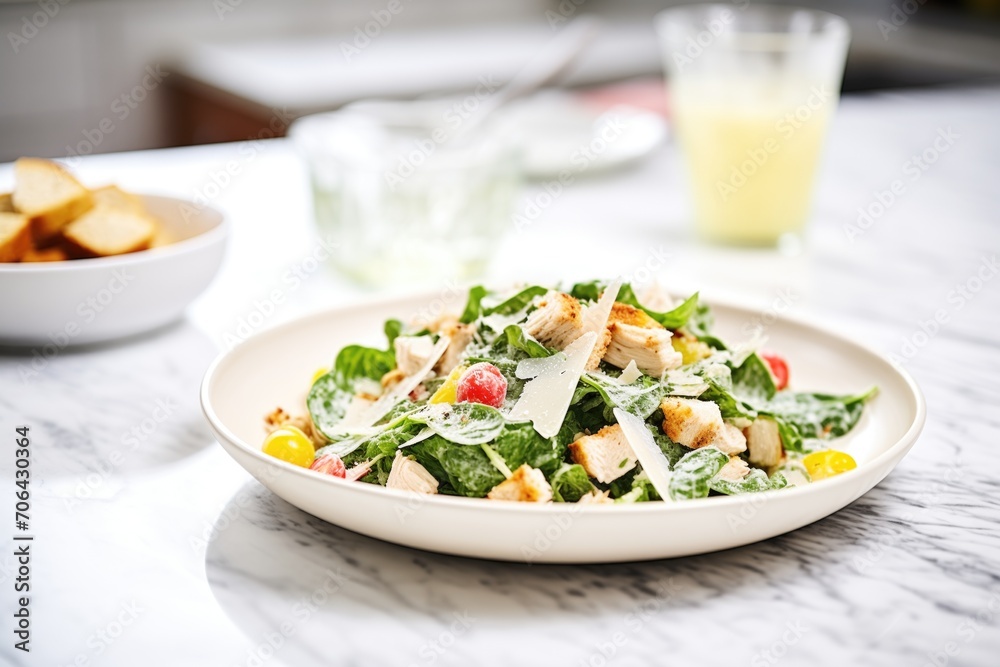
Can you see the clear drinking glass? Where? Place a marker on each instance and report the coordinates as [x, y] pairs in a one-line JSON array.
[[407, 202], [752, 90]]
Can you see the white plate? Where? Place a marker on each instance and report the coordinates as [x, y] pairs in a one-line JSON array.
[[57, 304], [273, 369]]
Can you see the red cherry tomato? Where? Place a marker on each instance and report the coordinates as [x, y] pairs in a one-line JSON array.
[[779, 369], [329, 464], [482, 383]]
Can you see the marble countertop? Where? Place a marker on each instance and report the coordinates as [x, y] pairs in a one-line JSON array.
[[153, 547]]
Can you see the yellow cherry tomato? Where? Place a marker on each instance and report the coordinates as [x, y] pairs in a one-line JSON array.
[[447, 392], [320, 372], [828, 463], [691, 348], [290, 444]]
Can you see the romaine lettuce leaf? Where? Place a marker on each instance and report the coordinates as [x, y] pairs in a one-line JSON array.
[[693, 472], [461, 470], [461, 423], [641, 398], [754, 482], [570, 483]]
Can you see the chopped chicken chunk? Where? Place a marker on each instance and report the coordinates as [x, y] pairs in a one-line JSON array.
[[635, 336], [412, 352], [764, 442], [408, 475], [557, 321], [460, 335], [596, 498], [279, 418], [606, 455], [527, 484], [735, 470], [696, 424]]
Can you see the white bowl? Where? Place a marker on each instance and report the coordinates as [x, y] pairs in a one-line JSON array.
[[93, 300], [273, 369]]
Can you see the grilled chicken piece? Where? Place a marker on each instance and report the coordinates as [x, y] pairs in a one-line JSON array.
[[637, 336], [697, 424], [764, 442], [280, 419], [408, 475], [596, 498], [735, 470], [557, 321], [527, 484], [606, 455], [412, 352], [460, 335]]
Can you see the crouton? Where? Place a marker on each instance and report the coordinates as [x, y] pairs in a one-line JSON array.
[[15, 236], [49, 195], [7, 203], [606, 455], [412, 353], [527, 484], [278, 418], [114, 197], [105, 231], [408, 475], [764, 442], [55, 253], [697, 424]]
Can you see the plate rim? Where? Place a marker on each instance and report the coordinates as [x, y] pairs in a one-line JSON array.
[[895, 451]]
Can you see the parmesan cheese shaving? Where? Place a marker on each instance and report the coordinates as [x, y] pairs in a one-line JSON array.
[[654, 463], [546, 398], [630, 374], [595, 318], [401, 390]]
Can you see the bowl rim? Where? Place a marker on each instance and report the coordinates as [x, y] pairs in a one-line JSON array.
[[218, 232], [841, 482]]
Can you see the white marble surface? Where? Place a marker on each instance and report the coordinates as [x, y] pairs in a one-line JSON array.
[[159, 550]]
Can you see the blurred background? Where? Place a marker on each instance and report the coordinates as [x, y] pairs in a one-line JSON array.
[[97, 76]]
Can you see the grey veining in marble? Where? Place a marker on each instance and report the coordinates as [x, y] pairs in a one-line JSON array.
[[164, 552]]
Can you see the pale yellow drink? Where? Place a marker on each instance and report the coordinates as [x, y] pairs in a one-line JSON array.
[[752, 164], [753, 88]]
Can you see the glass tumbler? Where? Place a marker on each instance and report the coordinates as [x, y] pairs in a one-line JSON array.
[[752, 89], [407, 199]]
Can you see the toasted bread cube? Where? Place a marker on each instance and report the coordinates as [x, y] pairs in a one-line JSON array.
[[106, 231], [527, 484], [49, 195], [55, 253], [114, 197], [408, 475], [15, 236], [764, 442], [697, 424], [7, 203], [606, 455]]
